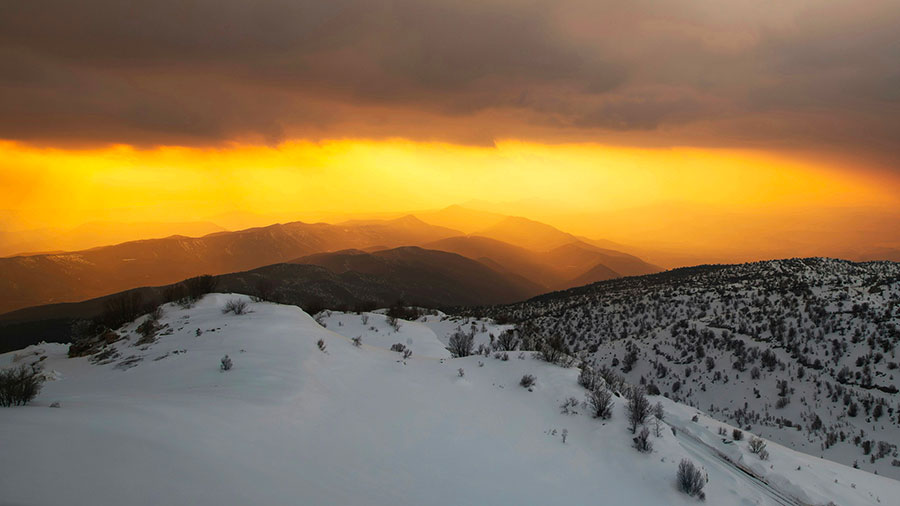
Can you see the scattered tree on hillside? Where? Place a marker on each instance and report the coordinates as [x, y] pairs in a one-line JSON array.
[[638, 408]]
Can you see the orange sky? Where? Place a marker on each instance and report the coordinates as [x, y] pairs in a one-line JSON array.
[[630, 195]]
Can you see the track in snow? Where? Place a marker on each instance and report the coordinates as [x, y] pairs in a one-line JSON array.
[[694, 445]]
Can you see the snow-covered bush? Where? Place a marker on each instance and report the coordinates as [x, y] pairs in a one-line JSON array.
[[527, 381], [587, 377], [690, 479], [357, 341], [19, 385], [756, 445], [321, 344], [226, 363], [398, 347], [236, 306], [642, 441]]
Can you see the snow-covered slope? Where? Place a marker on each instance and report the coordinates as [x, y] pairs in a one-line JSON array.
[[160, 423], [802, 351]]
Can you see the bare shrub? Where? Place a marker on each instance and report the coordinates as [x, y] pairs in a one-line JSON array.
[[461, 372], [642, 441], [757, 445], [236, 306], [398, 347], [690, 479], [19, 385], [568, 407], [461, 344], [600, 402], [357, 341], [321, 344], [527, 381], [553, 349], [226, 363], [737, 435], [507, 340]]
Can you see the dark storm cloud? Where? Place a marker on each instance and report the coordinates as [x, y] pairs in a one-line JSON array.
[[700, 71]]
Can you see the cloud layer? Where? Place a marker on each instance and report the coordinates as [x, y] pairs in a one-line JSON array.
[[804, 74]]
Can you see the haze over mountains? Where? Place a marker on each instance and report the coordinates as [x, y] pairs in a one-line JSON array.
[[520, 256]]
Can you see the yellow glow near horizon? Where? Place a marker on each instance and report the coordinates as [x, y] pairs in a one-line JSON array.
[[55, 187]]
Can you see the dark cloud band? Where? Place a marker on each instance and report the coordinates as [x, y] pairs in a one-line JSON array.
[[805, 73]]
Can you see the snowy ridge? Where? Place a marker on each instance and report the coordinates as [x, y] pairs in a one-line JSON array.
[[801, 351], [160, 423]]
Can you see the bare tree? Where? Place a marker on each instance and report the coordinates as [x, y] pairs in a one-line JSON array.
[[507, 340], [638, 409], [554, 349]]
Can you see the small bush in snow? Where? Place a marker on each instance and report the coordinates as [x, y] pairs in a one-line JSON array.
[[565, 435], [763, 454], [527, 381], [461, 344], [407, 353], [757, 445], [461, 372], [398, 347], [737, 435], [690, 479], [226, 363], [19, 385], [600, 402], [321, 344], [642, 441], [357, 341], [236, 306], [568, 406]]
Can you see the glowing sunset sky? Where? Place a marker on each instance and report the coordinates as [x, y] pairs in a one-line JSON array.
[[734, 129]]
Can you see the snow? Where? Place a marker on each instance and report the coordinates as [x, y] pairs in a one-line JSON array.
[[291, 424]]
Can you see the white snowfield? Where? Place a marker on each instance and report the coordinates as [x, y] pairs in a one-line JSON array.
[[291, 424]]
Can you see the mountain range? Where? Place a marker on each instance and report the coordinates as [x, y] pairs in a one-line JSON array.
[[531, 255]]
